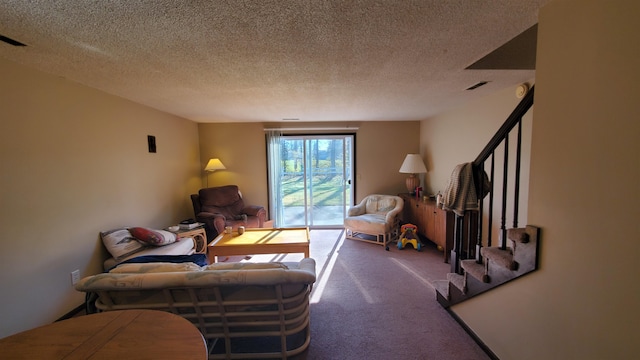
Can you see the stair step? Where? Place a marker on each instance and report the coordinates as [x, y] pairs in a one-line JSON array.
[[442, 287], [457, 280], [474, 269], [501, 257], [518, 234], [496, 270]]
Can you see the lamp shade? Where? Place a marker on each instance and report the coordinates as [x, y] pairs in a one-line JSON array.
[[413, 164], [214, 164]]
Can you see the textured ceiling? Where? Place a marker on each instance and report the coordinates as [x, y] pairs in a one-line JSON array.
[[332, 60]]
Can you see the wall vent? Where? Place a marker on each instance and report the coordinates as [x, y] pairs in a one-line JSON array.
[[11, 41]]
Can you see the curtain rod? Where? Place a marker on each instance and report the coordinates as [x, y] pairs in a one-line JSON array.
[[313, 129]]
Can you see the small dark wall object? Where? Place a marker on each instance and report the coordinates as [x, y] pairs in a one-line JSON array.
[[151, 140]]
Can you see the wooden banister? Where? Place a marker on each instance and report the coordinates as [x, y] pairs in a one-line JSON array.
[[501, 138], [513, 119]]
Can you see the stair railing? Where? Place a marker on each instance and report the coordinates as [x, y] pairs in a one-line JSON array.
[[501, 138]]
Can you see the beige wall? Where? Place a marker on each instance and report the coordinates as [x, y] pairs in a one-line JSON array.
[[459, 135], [74, 162], [380, 149], [582, 302], [241, 148]]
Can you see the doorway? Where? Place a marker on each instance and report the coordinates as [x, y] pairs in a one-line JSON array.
[[310, 180]]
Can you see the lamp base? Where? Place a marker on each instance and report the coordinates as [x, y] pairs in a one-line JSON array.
[[412, 183]]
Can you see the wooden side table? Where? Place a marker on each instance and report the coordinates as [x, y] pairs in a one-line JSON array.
[[198, 235], [128, 334]]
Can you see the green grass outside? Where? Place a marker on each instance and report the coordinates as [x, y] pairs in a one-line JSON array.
[[327, 190]]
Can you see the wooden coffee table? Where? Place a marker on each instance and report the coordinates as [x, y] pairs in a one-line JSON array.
[[260, 241]]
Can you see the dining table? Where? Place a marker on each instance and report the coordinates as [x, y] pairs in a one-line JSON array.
[[125, 334]]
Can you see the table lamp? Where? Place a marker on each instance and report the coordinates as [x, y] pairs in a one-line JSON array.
[[413, 165]]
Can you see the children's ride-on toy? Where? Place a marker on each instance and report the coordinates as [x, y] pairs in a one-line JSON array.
[[409, 235]]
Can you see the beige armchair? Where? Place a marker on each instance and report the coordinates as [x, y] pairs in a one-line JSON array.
[[375, 219]]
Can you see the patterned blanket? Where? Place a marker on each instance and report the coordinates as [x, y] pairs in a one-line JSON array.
[[460, 194]]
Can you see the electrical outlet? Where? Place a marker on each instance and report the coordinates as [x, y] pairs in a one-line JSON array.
[[75, 276]]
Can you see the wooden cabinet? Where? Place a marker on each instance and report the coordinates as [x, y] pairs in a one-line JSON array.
[[430, 223], [420, 217], [433, 223], [438, 226]]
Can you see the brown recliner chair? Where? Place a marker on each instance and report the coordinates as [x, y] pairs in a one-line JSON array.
[[218, 207]]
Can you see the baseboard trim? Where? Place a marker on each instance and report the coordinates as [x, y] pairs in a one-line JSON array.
[[72, 313], [473, 335]]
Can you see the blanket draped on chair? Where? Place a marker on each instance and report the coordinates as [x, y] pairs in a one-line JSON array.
[[460, 194]]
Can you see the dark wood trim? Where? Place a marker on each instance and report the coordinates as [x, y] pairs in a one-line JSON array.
[[509, 124], [77, 310], [473, 335]]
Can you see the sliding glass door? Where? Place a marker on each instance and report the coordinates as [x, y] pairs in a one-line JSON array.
[[313, 180]]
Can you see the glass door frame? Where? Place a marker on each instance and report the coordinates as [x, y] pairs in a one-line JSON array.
[[347, 183]]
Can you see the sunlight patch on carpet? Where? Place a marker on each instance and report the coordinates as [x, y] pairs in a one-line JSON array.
[[328, 267]]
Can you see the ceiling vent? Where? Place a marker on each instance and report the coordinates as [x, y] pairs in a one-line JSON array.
[[11, 41], [481, 83]]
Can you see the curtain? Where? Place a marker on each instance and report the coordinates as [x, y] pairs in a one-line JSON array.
[[274, 168]]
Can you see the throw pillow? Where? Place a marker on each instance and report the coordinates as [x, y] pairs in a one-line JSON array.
[[120, 243], [153, 237]]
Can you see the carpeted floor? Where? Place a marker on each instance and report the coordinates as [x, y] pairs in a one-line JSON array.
[[371, 304]]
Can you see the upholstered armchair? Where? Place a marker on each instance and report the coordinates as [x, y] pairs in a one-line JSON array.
[[375, 219], [219, 207]]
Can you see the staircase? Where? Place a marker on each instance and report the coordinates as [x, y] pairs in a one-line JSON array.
[[498, 267], [480, 268]]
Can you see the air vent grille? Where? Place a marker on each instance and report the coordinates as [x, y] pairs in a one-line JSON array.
[[11, 41], [481, 83]]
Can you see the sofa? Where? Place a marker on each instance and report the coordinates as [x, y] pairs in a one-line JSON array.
[[222, 206], [126, 243], [257, 310]]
